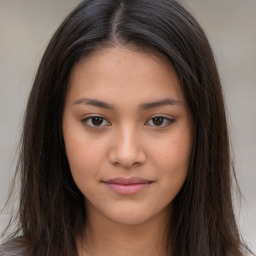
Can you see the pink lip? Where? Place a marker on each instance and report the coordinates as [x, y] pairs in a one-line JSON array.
[[128, 186]]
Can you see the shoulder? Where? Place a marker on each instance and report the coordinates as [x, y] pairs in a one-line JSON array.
[[249, 254], [13, 247]]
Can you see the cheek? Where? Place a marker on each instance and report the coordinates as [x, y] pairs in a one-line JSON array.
[[173, 162], [84, 155], [84, 164], [82, 151], [175, 152]]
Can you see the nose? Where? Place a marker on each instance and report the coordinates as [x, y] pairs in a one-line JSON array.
[[127, 148]]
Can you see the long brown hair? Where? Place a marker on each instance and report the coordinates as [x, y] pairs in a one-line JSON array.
[[51, 207]]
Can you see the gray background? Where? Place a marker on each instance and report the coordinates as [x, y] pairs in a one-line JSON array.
[[27, 25]]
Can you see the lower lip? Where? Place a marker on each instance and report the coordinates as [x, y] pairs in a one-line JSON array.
[[127, 189]]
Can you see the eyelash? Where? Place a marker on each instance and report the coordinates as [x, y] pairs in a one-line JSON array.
[[85, 121], [166, 121]]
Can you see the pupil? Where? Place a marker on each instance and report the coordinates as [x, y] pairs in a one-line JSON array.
[[158, 121], [97, 120]]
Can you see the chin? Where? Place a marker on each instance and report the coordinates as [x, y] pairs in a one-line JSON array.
[[136, 217]]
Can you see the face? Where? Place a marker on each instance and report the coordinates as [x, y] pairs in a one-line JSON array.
[[127, 134]]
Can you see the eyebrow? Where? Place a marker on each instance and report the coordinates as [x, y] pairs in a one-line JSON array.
[[144, 106], [93, 102], [168, 101]]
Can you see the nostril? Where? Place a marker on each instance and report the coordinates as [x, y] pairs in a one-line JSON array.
[[126, 149], [127, 159]]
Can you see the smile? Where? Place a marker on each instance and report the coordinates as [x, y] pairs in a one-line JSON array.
[[129, 186]]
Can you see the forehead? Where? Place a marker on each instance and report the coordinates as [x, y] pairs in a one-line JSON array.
[[120, 58], [127, 72]]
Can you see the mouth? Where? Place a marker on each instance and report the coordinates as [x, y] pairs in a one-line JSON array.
[[128, 186]]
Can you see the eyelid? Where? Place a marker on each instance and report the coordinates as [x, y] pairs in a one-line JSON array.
[[85, 119], [165, 119], [168, 119]]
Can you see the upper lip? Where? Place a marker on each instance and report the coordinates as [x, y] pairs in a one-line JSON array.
[[124, 181]]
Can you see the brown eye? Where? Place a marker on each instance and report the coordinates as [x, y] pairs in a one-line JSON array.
[[95, 121], [158, 120]]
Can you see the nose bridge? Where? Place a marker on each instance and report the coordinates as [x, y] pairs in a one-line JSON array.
[[127, 140], [127, 149]]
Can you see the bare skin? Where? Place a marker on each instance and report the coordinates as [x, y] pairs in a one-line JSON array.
[[128, 138], [112, 239]]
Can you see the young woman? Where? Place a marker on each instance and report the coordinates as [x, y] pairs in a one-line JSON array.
[[125, 146]]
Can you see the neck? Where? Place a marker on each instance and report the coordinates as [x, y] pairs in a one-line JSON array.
[[107, 238]]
